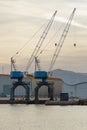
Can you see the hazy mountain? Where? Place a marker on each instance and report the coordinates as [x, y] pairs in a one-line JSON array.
[[70, 76]]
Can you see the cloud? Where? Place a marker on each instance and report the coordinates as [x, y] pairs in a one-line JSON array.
[[74, 23], [79, 25]]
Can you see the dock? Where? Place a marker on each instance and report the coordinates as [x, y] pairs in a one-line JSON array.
[[45, 102], [22, 102], [62, 103]]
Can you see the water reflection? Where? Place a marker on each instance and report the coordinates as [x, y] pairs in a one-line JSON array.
[[41, 117]]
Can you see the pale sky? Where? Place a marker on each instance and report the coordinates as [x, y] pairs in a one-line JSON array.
[[20, 20]]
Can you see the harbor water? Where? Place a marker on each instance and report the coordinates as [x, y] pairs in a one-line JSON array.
[[41, 117]]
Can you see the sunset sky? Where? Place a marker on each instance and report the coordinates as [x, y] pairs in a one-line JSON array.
[[21, 19]]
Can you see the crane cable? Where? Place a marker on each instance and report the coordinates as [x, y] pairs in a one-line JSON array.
[[13, 61], [49, 42], [25, 44]]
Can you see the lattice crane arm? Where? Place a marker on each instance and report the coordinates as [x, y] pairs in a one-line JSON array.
[[40, 42], [61, 41]]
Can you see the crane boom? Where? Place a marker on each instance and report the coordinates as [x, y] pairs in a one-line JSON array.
[[61, 41], [40, 42]]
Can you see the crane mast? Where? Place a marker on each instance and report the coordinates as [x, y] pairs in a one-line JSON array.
[[61, 41], [37, 65], [13, 64], [40, 42]]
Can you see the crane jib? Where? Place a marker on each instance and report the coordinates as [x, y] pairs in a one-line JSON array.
[[40, 42], [61, 41]]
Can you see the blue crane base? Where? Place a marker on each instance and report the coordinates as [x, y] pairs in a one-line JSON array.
[[26, 87], [50, 90]]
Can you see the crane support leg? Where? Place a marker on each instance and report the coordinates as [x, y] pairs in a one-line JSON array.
[[26, 87], [36, 94], [50, 90], [12, 94]]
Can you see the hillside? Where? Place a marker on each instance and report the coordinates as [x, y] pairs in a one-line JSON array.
[[70, 77]]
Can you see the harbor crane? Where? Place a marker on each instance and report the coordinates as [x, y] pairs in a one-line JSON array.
[[15, 74], [19, 76], [43, 75]]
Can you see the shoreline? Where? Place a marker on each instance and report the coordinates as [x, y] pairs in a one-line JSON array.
[[45, 102]]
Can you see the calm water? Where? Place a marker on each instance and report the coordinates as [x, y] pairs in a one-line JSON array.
[[41, 117]]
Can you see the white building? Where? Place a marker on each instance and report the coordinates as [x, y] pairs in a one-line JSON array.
[[75, 84]]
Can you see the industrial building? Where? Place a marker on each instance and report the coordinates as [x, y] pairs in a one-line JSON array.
[[76, 90], [73, 83], [6, 84]]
